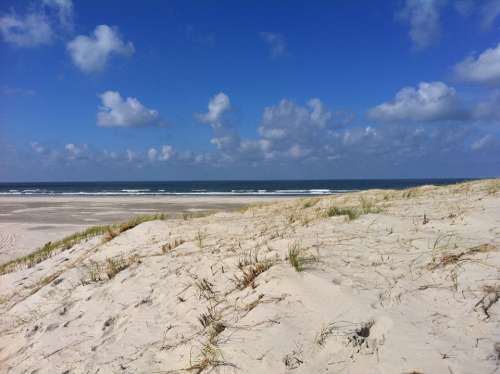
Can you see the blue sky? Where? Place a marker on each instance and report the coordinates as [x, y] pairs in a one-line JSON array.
[[117, 90]]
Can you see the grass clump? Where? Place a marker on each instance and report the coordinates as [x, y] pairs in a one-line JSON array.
[[171, 245], [365, 206], [451, 259], [350, 212], [310, 202], [113, 231], [251, 267], [114, 266], [493, 187], [51, 248], [298, 257], [200, 237]]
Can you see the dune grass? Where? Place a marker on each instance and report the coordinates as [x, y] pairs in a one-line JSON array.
[[366, 206], [298, 257], [51, 248]]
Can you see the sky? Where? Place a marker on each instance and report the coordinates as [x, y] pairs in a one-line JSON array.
[[203, 90]]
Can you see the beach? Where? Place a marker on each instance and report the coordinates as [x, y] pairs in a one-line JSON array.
[[377, 281], [27, 222]]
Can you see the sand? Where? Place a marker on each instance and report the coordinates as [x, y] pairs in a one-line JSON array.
[[27, 222], [409, 286]]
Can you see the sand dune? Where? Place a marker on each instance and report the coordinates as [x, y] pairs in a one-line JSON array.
[[370, 282]]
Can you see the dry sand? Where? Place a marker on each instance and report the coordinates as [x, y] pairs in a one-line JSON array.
[[27, 222], [411, 287]]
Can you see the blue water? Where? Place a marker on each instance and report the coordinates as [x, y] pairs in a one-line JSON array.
[[278, 187]]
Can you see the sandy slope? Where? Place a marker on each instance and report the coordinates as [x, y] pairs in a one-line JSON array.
[[27, 222], [385, 293]]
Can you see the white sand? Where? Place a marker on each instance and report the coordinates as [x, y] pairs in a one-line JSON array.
[[27, 222], [387, 293]]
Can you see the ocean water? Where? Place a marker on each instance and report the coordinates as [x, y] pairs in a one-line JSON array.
[[200, 188]]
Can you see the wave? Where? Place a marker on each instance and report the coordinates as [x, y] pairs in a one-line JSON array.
[[148, 192]]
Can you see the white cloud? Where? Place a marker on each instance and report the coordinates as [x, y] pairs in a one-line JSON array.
[[224, 137], [37, 147], [434, 101], [152, 153], [423, 17], [29, 31], [483, 69], [217, 106], [118, 112], [276, 42], [75, 152], [288, 120], [91, 53], [167, 152], [64, 10]]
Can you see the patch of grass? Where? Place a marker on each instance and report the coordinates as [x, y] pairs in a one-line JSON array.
[[350, 212], [51, 248], [409, 193], [200, 237], [205, 288], [94, 272], [310, 202], [251, 272], [209, 317], [449, 259], [365, 206], [210, 357], [493, 187], [113, 231], [114, 266], [251, 267], [187, 216], [368, 206], [171, 245], [298, 257]]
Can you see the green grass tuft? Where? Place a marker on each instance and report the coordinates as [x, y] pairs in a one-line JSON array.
[[51, 248], [298, 258]]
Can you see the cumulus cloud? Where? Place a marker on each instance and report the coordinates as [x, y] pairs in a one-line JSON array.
[[165, 153], [75, 152], [224, 137], [91, 53], [30, 30], [423, 18], [484, 68], [119, 112], [276, 43], [217, 106], [429, 102]]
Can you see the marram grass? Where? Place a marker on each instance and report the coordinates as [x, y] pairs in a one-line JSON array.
[[51, 248]]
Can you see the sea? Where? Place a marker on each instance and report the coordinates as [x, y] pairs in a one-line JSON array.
[[214, 188]]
